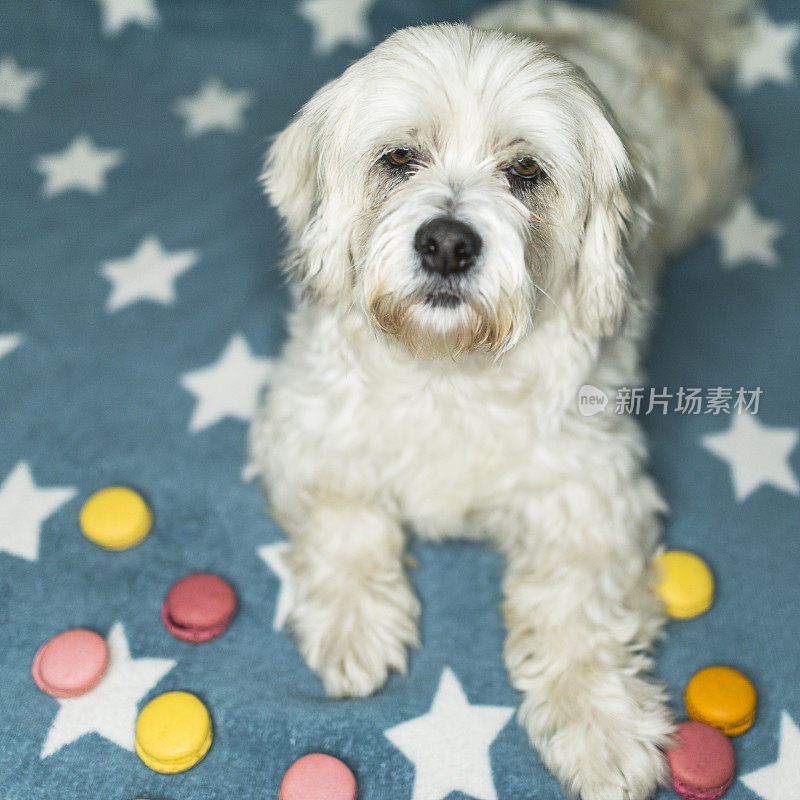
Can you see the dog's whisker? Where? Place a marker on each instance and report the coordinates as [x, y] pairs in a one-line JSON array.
[[545, 221], [539, 289]]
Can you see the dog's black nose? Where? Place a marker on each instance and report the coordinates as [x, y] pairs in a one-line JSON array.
[[447, 246]]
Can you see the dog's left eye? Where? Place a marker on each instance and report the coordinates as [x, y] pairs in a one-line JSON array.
[[525, 167], [399, 157]]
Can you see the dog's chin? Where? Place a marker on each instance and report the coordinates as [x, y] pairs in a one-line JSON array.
[[443, 324]]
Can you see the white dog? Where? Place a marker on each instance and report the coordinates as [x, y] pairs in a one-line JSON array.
[[476, 219]]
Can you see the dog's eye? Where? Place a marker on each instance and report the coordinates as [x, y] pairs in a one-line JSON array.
[[526, 168], [400, 157]]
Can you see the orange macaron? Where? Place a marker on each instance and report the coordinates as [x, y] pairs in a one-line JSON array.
[[722, 697]]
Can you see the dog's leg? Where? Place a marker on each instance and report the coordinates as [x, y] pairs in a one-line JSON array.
[[581, 617], [355, 612]]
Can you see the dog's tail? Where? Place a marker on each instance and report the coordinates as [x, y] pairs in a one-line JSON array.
[[711, 32]]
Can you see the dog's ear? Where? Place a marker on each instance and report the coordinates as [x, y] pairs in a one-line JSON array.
[[294, 179], [603, 269], [614, 219], [290, 177]]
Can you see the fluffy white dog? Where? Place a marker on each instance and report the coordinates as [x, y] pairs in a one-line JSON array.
[[476, 219]]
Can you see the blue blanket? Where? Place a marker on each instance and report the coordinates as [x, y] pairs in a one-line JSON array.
[[140, 308]]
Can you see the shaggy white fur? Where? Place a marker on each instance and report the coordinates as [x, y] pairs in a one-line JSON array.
[[444, 402]]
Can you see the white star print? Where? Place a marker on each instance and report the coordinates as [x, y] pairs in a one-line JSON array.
[[250, 471], [80, 166], [149, 273], [16, 84], [272, 555], [747, 236], [9, 342], [110, 709], [24, 506], [450, 744], [117, 14], [779, 780], [757, 455], [768, 54], [336, 22], [229, 387], [213, 107]]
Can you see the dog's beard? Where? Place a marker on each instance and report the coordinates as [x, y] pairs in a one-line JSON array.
[[434, 332]]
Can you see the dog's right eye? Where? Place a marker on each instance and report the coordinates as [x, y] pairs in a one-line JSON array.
[[526, 168], [399, 157]]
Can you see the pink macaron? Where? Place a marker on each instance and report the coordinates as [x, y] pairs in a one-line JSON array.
[[702, 761], [71, 663], [199, 607], [318, 777]]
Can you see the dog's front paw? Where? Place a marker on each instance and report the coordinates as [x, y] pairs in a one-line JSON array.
[[353, 639], [610, 763], [609, 748]]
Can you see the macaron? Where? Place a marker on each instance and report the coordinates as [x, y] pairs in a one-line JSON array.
[[702, 761], [116, 518], [71, 663], [318, 777], [173, 732], [686, 584], [199, 607], [722, 697]]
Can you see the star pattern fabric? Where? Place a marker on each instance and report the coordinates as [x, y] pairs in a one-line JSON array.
[[80, 166], [119, 14], [273, 557], [779, 780], [449, 746], [140, 297], [9, 342], [229, 387], [149, 273], [111, 708], [767, 57], [337, 22], [214, 107], [757, 455], [24, 507], [748, 236], [16, 84]]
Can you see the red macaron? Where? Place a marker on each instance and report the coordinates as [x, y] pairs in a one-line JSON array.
[[199, 607], [70, 664], [318, 776], [702, 761]]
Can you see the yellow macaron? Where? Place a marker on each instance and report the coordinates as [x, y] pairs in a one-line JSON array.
[[173, 732], [722, 697], [116, 518], [686, 584]]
